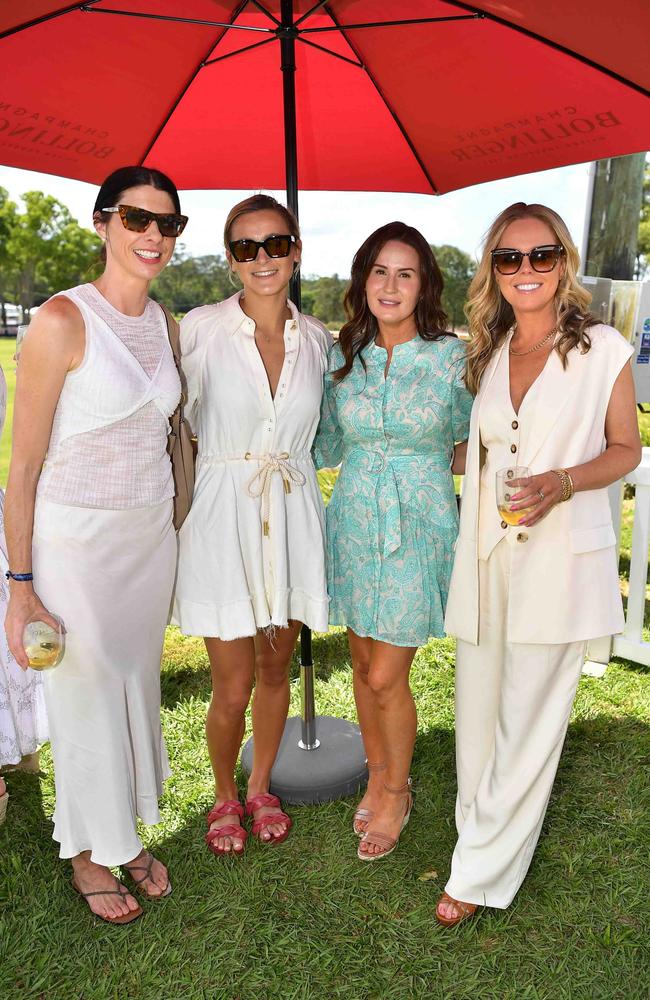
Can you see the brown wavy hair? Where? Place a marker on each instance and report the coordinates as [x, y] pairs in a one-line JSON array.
[[490, 317], [361, 327]]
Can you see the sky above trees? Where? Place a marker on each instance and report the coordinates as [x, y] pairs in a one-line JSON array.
[[334, 224]]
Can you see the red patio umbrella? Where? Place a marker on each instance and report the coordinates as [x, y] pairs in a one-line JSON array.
[[402, 95]]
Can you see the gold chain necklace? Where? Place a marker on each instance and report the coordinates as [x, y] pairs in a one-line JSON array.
[[535, 347]]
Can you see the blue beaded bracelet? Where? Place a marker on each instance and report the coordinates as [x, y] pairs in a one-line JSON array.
[[21, 577]]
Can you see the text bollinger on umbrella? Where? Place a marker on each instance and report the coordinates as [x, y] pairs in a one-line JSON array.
[[404, 95]]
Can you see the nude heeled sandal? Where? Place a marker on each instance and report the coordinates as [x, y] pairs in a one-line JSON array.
[[382, 840], [365, 815]]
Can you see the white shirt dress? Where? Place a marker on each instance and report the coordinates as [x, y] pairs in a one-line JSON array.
[[252, 549]]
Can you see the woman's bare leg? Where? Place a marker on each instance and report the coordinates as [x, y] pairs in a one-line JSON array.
[[270, 708], [233, 668], [360, 654], [396, 721]]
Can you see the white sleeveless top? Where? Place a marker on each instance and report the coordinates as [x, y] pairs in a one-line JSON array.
[[108, 446]]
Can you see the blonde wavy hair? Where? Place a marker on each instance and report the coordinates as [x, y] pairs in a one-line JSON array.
[[490, 316]]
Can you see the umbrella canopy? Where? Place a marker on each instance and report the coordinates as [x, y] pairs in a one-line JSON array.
[[403, 95]]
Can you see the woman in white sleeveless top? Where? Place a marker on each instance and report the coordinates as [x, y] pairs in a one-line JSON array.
[[96, 386], [23, 719], [252, 550], [555, 394]]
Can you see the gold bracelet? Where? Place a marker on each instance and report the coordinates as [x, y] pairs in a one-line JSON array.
[[568, 489]]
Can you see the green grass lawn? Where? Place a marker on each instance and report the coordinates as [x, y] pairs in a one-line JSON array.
[[306, 920]]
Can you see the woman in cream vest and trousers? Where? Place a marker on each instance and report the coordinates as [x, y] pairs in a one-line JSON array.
[[555, 394]]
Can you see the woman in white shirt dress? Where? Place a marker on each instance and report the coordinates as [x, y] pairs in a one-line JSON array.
[[90, 536], [252, 564]]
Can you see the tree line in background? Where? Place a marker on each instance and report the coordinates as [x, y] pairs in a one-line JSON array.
[[44, 249], [643, 245], [189, 281]]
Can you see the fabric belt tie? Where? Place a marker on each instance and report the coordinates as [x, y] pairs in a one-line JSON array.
[[386, 466], [387, 488], [259, 485]]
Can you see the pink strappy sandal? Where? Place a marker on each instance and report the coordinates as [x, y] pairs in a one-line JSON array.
[[232, 830], [268, 819], [383, 841]]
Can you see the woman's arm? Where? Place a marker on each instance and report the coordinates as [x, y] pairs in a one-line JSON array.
[[461, 410], [622, 454], [327, 449], [459, 459], [54, 346]]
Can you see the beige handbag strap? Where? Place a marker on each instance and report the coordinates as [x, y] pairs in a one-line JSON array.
[[174, 334]]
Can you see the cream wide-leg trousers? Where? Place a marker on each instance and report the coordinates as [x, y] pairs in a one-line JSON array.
[[513, 702]]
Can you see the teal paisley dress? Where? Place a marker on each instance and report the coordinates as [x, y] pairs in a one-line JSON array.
[[392, 520]]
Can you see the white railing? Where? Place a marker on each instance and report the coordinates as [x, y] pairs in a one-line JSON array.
[[630, 644]]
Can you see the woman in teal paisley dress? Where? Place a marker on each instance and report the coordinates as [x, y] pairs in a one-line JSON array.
[[396, 415]]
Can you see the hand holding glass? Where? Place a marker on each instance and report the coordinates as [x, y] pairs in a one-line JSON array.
[[509, 484], [44, 645]]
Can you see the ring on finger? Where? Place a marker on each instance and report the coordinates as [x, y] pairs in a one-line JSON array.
[[540, 494]]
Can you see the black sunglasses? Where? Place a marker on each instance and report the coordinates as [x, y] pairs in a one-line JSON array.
[[541, 259], [138, 220], [274, 246]]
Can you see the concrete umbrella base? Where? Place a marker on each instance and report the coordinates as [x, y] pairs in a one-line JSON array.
[[337, 766]]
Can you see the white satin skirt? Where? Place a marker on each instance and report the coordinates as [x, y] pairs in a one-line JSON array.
[[109, 574]]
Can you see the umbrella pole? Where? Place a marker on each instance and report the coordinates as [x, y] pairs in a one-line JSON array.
[[288, 34], [337, 766]]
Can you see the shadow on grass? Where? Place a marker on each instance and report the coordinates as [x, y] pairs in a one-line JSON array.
[[629, 666], [307, 919]]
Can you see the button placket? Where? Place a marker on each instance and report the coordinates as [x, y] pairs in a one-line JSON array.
[[289, 355], [514, 446]]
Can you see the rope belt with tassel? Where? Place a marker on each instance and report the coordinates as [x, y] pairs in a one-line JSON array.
[[259, 485]]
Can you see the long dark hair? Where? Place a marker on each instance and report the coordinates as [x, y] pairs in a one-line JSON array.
[[361, 327]]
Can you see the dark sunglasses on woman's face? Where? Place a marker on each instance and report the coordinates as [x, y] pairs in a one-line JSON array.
[[541, 258], [138, 220], [274, 246]]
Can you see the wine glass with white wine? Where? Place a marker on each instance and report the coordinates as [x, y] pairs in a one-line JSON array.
[[506, 489], [43, 644]]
